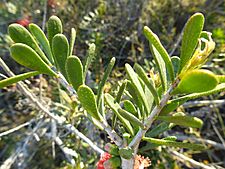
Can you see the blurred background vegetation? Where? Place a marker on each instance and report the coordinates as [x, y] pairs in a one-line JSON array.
[[115, 26]]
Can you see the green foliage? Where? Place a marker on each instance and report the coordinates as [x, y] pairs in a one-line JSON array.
[[192, 32], [181, 119], [19, 34], [196, 81], [42, 40], [87, 99], [17, 78], [137, 85], [161, 142], [72, 40], [74, 70], [60, 49], [154, 40], [27, 57], [115, 107], [140, 100], [54, 27]]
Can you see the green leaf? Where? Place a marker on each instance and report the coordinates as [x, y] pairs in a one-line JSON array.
[[137, 85], [54, 26], [134, 94], [176, 64], [154, 40], [170, 138], [72, 40], [196, 81], [192, 32], [105, 77], [186, 121], [160, 128], [128, 105], [221, 78], [27, 57], [90, 57], [133, 119], [74, 70], [161, 67], [41, 39], [87, 100], [164, 142], [17, 78], [121, 91], [115, 107], [140, 71], [60, 48], [173, 104], [19, 34]]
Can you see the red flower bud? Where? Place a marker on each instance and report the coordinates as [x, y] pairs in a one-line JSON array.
[[104, 157], [24, 22]]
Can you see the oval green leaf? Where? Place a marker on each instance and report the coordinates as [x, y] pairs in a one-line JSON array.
[[27, 57], [87, 100], [19, 34], [196, 81], [60, 49], [74, 70], [54, 26]]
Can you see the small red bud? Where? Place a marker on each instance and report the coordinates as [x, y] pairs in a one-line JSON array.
[[104, 157]]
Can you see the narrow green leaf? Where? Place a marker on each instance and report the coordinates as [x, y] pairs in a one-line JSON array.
[[186, 121], [174, 143], [54, 26], [17, 78], [105, 77], [176, 64], [72, 40], [134, 79], [121, 91], [196, 81], [87, 100], [115, 107], [19, 34], [74, 70], [170, 138], [154, 40], [27, 57], [42, 40], [134, 94], [141, 73], [60, 49], [192, 32], [90, 57], [161, 67], [128, 105], [129, 116], [173, 104], [160, 128]]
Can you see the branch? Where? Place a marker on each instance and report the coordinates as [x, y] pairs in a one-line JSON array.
[[23, 88], [184, 159], [155, 112]]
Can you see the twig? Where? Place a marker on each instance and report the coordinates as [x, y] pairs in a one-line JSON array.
[[184, 159], [202, 103], [16, 128], [41, 107]]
